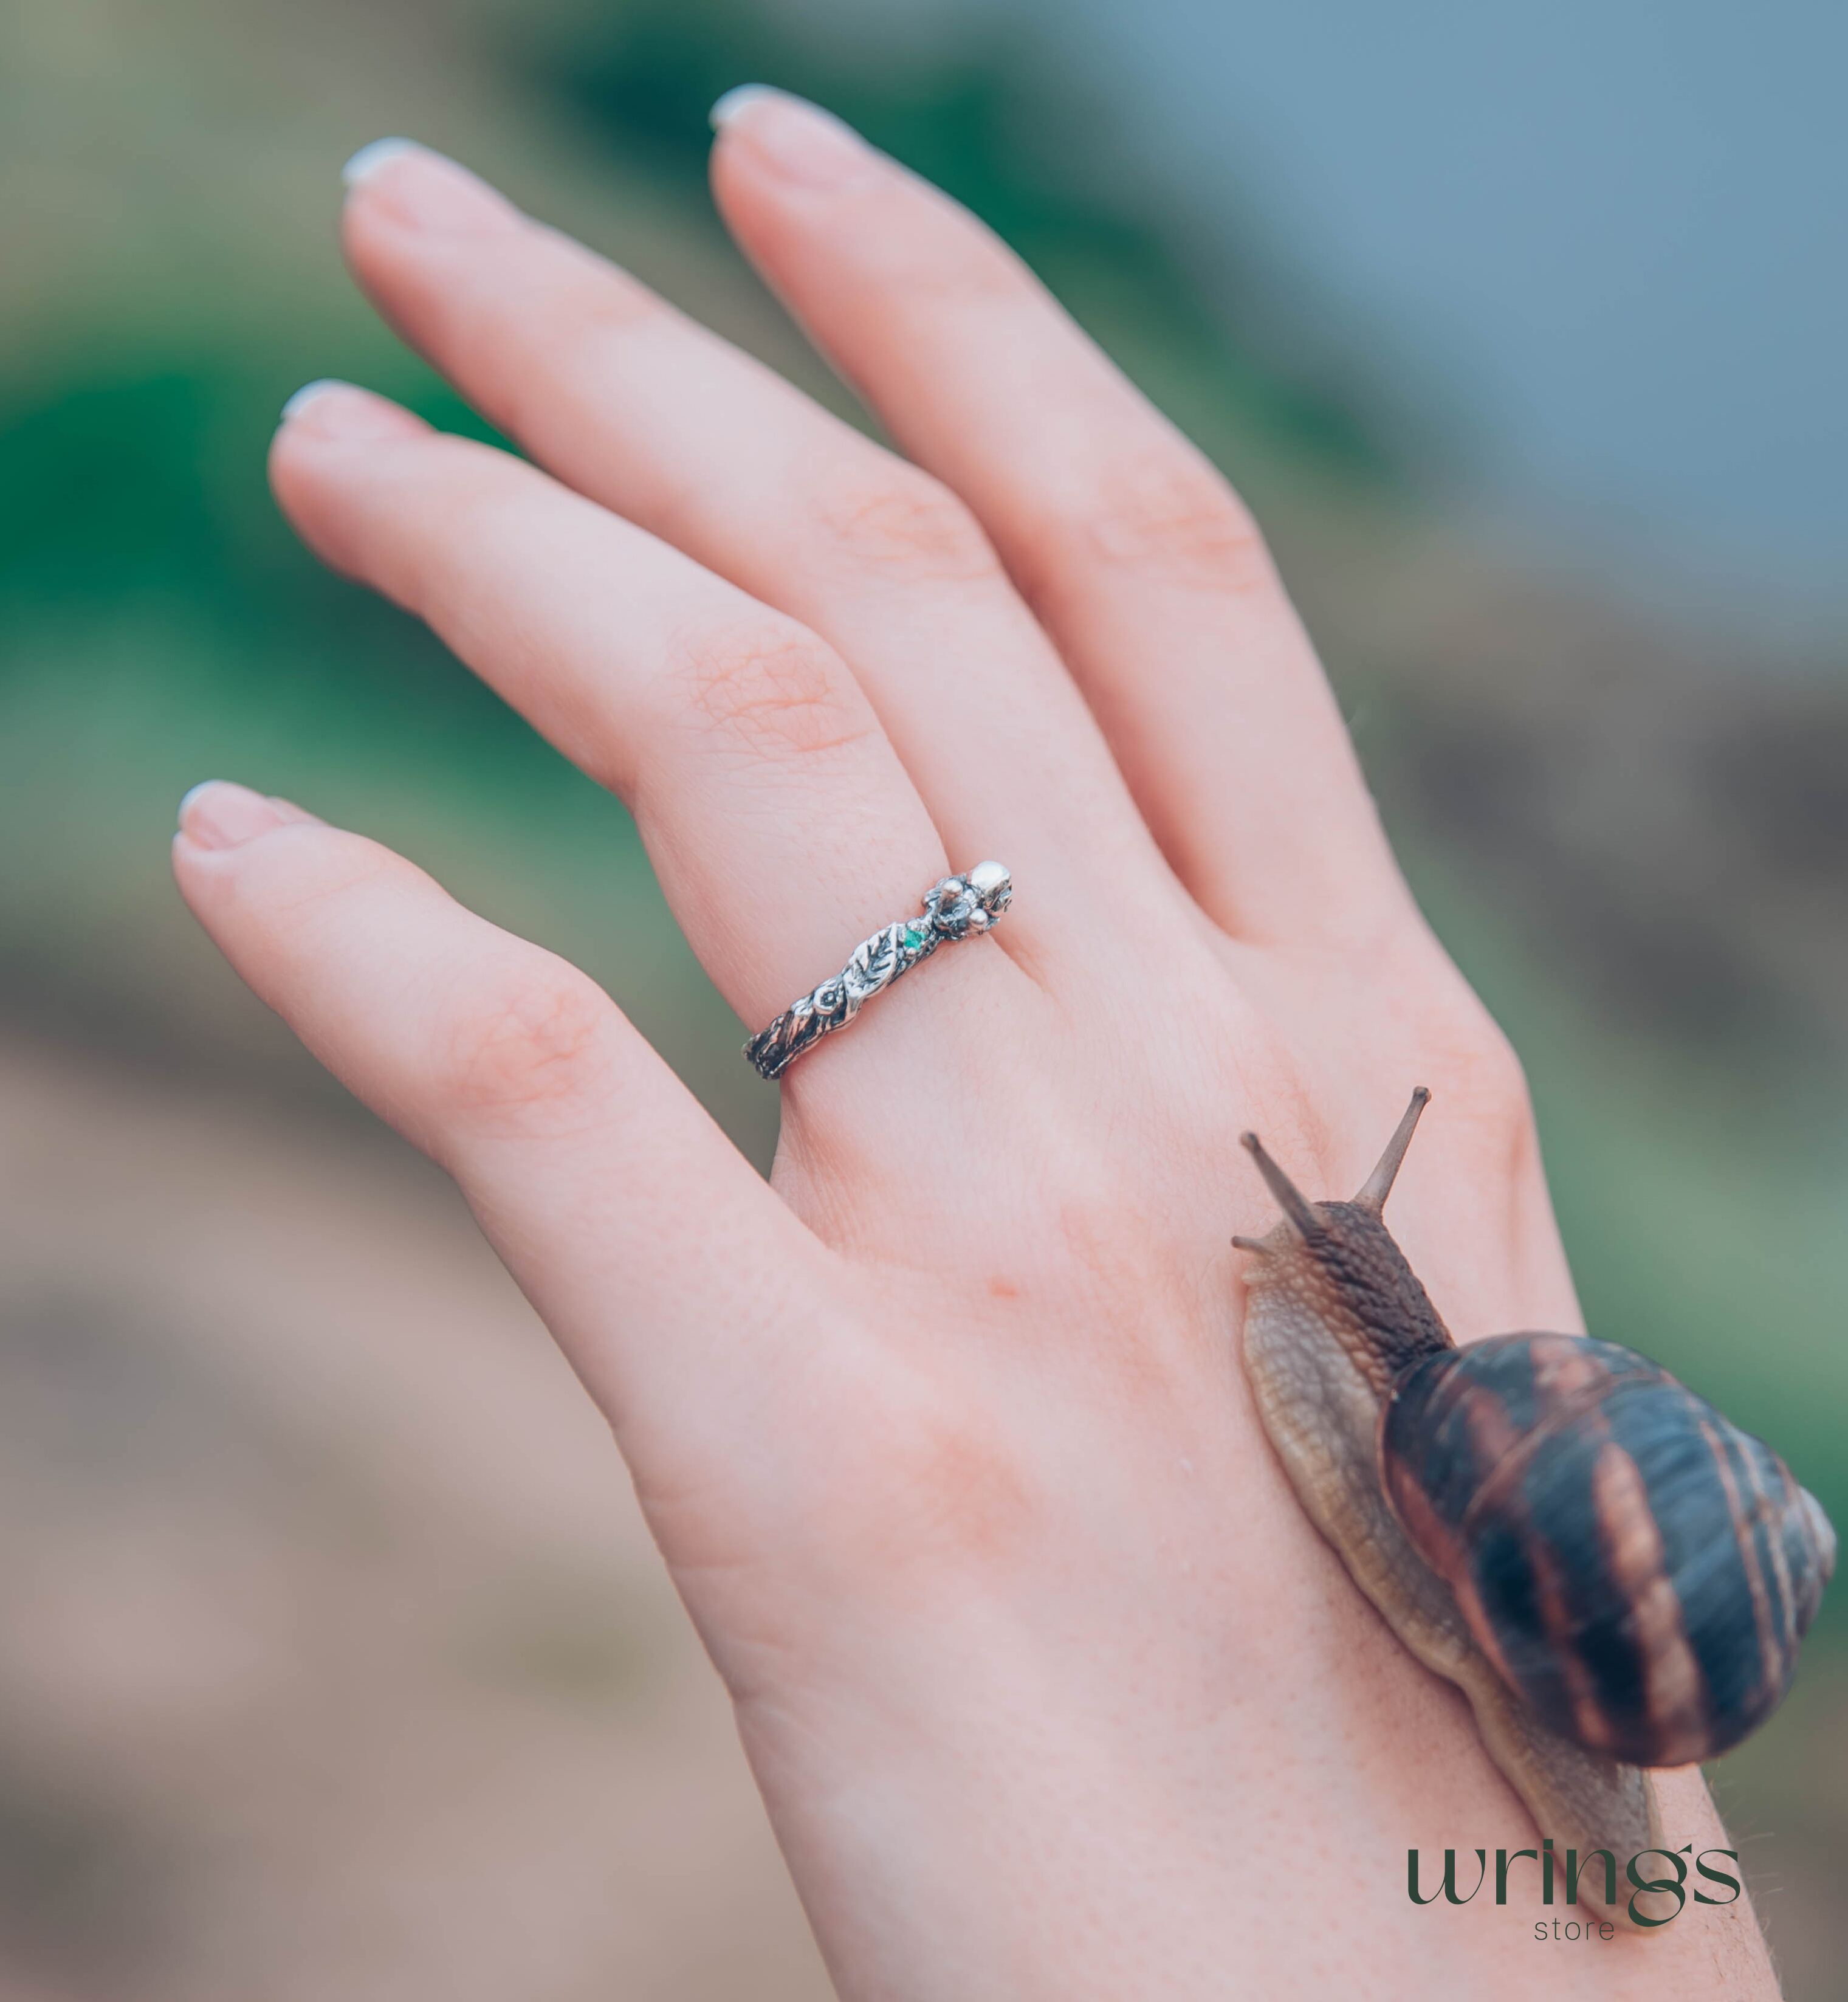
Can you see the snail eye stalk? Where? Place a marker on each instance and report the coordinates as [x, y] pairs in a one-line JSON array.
[[1379, 1185], [1290, 1199]]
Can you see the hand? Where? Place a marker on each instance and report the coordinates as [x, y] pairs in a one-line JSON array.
[[1049, 1687]]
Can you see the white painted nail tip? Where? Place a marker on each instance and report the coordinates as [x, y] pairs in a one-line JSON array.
[[369, 159], [309, 393], [735, 100], [191, 793]]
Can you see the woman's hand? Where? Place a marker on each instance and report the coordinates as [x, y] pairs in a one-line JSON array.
[[1049, 1686]]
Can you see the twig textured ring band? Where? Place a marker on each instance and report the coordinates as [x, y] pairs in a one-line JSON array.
[[959, 907]]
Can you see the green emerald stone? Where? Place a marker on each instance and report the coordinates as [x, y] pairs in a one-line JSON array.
[[914, 938]]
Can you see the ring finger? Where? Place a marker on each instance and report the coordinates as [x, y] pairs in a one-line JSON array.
[[780, 822]]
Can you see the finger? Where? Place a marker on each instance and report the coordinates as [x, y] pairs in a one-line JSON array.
[[650, 1246], [1143, 565], [782, 825], [635, 405]]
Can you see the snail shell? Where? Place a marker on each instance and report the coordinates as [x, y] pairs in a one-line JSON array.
[[1638, 1570]]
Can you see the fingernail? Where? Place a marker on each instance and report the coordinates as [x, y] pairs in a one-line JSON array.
[[370, 159], [736, 99], [308, 393], [332, 409], [219, 814], [426, 189], [794, 137]]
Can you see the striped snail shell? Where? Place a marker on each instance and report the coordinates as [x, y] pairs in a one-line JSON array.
[[1638, 1570]]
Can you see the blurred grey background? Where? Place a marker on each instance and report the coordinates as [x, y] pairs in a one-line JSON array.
[[332, 1658], [1591, 253]]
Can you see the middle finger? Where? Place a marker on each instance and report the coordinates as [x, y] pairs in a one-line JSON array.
[[782, 825], [654, 416]]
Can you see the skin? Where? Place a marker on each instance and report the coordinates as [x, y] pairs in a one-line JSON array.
[[1049, 1687]]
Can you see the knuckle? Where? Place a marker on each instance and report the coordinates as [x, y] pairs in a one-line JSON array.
[[451, 581], [778, 691], [561, 310], [1167, 515], [933, 1496], [914, 241], [590, 307], [527, 1042], [1108, 1247], [1484, 1081], [908, 525], [304, 889]]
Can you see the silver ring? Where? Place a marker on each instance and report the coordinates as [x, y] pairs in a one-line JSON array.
[[959, 907]]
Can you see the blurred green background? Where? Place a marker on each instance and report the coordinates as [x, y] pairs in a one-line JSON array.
[[1630, 827]]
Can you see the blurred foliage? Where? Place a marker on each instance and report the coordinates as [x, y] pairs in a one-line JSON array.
[[118, 490]]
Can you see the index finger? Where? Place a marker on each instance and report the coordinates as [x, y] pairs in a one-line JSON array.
[[658, 1257]]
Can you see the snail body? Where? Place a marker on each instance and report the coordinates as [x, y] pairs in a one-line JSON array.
[[1616, 1576]]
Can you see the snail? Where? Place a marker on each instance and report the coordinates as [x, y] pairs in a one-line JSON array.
[[1614, 1575]]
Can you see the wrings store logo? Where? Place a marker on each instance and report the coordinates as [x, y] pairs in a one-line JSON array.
[[1599, 1869]]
